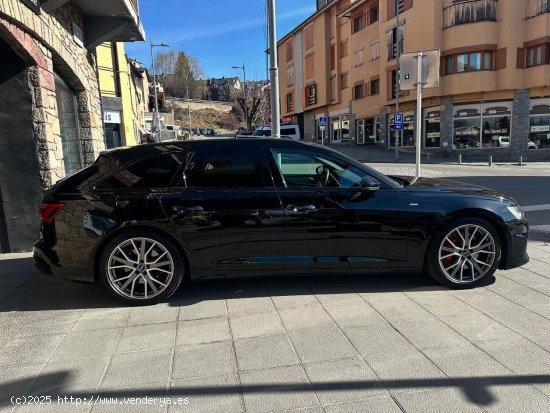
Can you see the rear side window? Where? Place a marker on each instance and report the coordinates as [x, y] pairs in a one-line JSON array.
[[227, 168], [153, 172], [288, 131]]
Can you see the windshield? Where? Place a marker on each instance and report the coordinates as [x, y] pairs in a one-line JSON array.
[[262, 132]]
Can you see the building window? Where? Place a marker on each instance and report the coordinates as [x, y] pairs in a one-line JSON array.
[[310, 65], [290, 76], [311, 94], [343, 49], [333, 91], [538, 55], [290, 102], [359, 91], [69, 126], [308, 31], [375, 51], [392, 82], [374, 14], [358, 57], [344, 81], [289, 50], [359, 23], [332, 57], [482, 125], [469, 62], [539, 124], [536, 7], [395, 38], [375, 87], [432, 128]]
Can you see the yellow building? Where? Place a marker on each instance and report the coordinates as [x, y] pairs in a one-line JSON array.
[[124, 95]]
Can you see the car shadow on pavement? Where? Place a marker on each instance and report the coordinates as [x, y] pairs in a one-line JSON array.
[[478, 390], [25, 289]]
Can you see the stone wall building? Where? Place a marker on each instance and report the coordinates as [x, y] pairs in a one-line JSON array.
[[50, 108]]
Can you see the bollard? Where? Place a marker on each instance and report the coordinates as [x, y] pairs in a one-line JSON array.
[[521, 161], [490, 161], [460, 159]]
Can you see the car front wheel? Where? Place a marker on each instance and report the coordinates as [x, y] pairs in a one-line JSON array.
[[464, 253], [141, 268]]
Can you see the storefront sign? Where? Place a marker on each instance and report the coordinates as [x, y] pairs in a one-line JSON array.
[[543, 128], [111, 117], [34, 5]]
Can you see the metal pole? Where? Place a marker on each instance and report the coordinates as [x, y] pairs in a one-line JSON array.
[[419, 87], [397, 82], [274, 72], [189, 111], [156, 92]]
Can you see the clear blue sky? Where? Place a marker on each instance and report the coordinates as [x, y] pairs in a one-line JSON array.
[[219, 33]]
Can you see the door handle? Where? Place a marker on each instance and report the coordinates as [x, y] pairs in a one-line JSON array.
[[302, 208], [188, 210]]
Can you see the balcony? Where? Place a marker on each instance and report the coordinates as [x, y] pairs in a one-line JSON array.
[[458, 12], [106, 20], [534, 8]]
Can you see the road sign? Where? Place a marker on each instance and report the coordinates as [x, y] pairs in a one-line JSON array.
[[323, 121], [398, 121], [409, 70]]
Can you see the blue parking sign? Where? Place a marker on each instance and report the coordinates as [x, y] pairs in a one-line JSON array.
[[323, 121], [398, 121]]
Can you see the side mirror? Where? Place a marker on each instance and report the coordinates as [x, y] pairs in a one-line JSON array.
[[369, 184]]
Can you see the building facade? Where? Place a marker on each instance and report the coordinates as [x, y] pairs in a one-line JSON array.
[[50, 108], [124, 90], [494, 94]]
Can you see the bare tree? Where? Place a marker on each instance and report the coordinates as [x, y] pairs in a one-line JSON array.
[[251, 102]]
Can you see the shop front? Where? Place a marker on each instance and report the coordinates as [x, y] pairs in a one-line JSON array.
[[432, 128], [482, 126], [539, 124], [339, 129]]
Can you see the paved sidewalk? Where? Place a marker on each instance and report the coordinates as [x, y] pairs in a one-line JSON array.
[[340, 344]]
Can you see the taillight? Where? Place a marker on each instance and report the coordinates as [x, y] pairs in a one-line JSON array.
[[48, 212]]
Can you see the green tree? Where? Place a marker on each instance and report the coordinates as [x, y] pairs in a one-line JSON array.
[[181, 75]]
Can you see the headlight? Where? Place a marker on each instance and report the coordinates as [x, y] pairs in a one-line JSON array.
[[517, 212]]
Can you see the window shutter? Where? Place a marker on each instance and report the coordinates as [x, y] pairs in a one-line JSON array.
[[500, 59], [521, 58], [391, 9]]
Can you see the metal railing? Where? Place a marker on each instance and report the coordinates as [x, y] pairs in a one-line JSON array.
[[535, 7], [457, 12]]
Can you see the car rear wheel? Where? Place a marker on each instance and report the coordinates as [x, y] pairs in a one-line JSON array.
[[464, 253], [141, 267]]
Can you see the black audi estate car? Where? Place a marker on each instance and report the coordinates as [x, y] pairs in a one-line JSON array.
[[143, 220]]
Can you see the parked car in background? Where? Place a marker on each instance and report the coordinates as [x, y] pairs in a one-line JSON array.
[[287, 130], [142, 220]]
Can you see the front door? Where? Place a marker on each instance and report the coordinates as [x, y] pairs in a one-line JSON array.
[[228, 212], [332, 225]]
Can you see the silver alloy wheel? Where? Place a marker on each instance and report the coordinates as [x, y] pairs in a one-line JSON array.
[[140, 268], [467, 253]]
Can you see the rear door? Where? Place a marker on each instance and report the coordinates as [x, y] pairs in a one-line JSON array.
[[226, 209], [331, 225]]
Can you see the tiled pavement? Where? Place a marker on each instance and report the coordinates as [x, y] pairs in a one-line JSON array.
[[340, 344]]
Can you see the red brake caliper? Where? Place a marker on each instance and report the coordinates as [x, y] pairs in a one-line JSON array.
[[454, 239]]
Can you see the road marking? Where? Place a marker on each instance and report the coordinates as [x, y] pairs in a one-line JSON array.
[[532, 208]]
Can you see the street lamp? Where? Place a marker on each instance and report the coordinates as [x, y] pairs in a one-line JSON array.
[[245, 109], [155, 84]]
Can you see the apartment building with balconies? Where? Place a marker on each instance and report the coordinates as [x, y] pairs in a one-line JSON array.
[[494, 94]]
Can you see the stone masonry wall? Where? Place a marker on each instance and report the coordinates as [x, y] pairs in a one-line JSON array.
[[47, 43]]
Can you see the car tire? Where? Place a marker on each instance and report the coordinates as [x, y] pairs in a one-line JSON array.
[[141, 267], [464, 253]]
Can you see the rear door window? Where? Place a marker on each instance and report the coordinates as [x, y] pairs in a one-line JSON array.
[[228, 168], [148, 173]]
